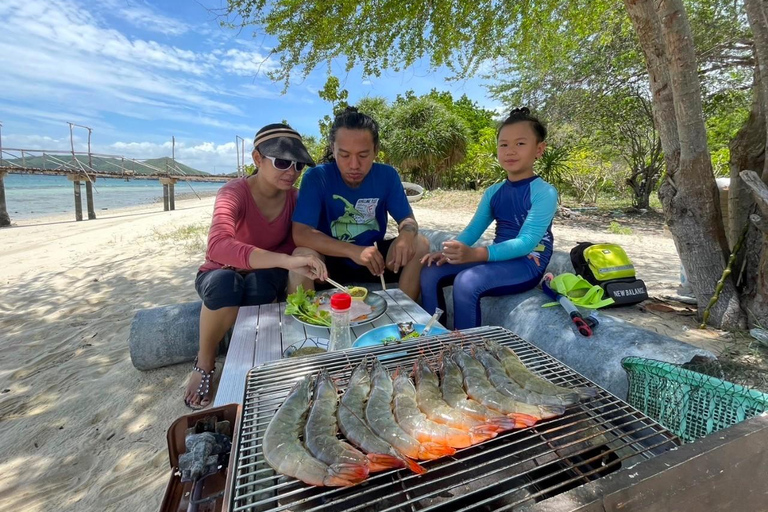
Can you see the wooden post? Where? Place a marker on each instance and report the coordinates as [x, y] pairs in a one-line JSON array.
[[169, 201], [89, 197], [5, 220], [75, 178]]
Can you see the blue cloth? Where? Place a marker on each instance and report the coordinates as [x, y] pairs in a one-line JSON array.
[[473, 281], [523, 211], [356, 215]]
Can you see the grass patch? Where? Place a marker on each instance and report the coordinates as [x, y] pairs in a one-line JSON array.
[[192, 237], [618, 229]]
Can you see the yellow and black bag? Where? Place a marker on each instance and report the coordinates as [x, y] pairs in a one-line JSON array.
[[609, 266]]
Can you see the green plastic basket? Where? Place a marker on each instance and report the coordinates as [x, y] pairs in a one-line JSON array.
[[688, 403]]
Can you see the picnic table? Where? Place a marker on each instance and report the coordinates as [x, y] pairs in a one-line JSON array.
[[261, 333]]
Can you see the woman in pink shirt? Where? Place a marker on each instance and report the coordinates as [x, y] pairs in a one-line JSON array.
[[249, 247]]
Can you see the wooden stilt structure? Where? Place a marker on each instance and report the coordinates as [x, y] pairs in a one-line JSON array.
[[75, 179], [89, 197], [169, 200], [5, 219]]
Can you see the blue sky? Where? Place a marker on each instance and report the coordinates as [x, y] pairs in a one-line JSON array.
[[139, 72]]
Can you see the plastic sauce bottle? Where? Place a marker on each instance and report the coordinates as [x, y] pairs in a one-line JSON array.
[[341, 336]]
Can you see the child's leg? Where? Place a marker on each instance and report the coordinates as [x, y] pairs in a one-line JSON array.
[[492, 278], [433, 280]]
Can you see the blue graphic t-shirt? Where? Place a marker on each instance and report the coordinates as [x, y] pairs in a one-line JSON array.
[[523, 211], [356, 215]]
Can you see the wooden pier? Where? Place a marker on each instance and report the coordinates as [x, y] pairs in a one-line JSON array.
[[78, 172]]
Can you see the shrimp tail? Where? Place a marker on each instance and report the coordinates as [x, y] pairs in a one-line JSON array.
[[488, 430], [586, 393], [348, 473], [430, 451], [502, 423], [381, 462], [522, 420], [551, 411]]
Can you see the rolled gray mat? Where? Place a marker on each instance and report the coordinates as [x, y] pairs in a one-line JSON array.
[[597, 357], [166, 335]]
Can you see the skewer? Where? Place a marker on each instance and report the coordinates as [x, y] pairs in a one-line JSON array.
[[383, 284]]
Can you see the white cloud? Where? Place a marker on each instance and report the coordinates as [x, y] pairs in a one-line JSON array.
[[146, 18], [205, 156], [247, 63]]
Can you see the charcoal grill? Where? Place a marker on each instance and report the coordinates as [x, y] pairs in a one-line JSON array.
[[509, 472]]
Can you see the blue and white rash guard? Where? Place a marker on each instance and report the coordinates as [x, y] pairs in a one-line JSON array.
[[523, 211]]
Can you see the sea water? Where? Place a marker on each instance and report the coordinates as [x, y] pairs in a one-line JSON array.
[[28, 195]]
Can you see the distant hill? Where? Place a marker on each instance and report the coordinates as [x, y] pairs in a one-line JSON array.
[[113, 165]]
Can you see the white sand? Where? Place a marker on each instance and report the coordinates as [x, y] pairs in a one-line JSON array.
[[81, 428]]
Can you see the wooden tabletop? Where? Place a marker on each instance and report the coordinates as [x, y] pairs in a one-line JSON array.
[[261, 334]]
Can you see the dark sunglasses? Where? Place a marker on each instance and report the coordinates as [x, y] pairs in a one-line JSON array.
[[282, 164]]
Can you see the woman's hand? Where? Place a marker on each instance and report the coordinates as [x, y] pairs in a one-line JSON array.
[[457, 253], [308, 266], [434, 257]]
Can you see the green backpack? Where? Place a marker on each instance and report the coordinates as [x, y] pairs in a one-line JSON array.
[[608, 266]]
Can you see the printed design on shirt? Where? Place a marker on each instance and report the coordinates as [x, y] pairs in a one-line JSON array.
[[356, 219]]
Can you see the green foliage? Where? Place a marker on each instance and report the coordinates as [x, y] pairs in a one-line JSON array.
[[480, 168], [424, 139], [618, 229], [585, 174], [301, 305], [553, 165]]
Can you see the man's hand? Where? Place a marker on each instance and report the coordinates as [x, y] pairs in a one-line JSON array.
[[434, 257], [403, 249], [371, 258], [457, 253], [308, 266]]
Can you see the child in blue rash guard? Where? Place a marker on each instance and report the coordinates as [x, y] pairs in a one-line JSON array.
[[523, 207]]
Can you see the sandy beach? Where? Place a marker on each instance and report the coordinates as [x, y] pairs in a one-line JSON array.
[[82, 429]]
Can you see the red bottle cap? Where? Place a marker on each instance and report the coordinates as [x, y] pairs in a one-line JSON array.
[[341, 301]]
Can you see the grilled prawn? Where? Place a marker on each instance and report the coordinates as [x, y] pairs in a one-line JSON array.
[[527, 380], [431, 403], [480, 388], [423, 429], [381, 455], [285, 453], [378, 414], [321, 430]]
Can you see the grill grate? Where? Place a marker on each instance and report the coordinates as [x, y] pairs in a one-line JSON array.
[[517, 468]]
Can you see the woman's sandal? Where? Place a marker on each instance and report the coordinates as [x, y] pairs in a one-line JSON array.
[[203, 389]]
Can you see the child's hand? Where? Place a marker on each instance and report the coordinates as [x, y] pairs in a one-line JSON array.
[[457, 253], [434, 257]]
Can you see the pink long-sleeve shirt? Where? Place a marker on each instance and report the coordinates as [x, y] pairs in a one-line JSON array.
[[238, 227]]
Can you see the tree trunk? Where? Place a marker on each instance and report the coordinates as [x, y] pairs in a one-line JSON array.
[[748, 153], [689, 194], [5, 220]]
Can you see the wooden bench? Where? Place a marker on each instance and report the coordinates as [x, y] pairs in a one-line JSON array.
[[261, 333]]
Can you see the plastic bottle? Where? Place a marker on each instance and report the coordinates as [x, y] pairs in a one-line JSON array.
[[341, 336]]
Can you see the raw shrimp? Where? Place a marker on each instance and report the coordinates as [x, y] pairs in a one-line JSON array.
[[321, 430], [452, 388], [480, 388], [523, 376], [381, 455], [286, 454], [378, 414], [423, 429], [431, 403], [504, 384]]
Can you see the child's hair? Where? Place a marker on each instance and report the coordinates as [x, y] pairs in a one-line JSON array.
[[351, 119], [518, 115]]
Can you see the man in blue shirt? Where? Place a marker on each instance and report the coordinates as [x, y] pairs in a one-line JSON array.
[[342, 211]]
